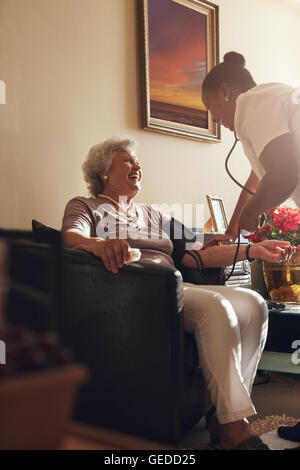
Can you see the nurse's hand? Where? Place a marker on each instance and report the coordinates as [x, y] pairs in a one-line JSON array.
[[249, 220], [222, 239]]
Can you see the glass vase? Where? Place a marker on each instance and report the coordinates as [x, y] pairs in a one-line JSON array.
[[283, 280]]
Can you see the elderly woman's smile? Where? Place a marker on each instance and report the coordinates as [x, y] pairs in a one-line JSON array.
[[125, 173]]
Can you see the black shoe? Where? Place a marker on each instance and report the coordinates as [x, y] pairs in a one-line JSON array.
[[290, 433]]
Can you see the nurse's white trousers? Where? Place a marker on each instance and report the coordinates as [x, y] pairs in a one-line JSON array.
[[230, 327]]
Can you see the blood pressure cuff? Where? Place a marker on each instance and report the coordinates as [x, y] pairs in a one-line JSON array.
[[180, 236]]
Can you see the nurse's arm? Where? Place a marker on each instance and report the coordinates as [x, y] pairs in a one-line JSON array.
[[280, 180], [252, 184], [233, 226]]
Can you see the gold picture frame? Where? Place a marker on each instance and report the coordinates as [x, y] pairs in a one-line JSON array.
[[218, 213], [178, 46]]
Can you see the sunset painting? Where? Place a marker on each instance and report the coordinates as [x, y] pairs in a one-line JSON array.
[[177, 35]]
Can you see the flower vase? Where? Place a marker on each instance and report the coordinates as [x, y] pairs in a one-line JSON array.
[[283, 280]]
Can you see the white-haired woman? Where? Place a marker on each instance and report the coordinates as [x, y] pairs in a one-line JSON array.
[[229, 324]]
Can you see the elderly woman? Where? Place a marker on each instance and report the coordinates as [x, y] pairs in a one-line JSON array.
[[110, 223]]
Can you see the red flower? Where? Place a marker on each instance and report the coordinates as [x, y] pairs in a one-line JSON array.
[[285, 219], [267, 228], [282, 223], [254, 237]]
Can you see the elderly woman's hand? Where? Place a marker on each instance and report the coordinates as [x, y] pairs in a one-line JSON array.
[[274, 251], [113, 252]]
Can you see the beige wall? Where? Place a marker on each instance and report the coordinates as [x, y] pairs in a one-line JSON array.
[[70, 67]]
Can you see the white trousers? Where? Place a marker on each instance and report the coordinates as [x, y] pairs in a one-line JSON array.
[[230, 327]]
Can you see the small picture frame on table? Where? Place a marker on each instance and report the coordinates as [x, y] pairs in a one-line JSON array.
[[218, 213]]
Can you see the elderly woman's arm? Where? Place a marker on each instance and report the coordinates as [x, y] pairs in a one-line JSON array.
[[113, 252], [73, 239], [219, 256]]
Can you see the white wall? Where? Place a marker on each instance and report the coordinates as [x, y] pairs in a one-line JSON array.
[[71, 72]]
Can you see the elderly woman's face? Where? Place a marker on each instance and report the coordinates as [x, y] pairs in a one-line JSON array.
[[125, 173]]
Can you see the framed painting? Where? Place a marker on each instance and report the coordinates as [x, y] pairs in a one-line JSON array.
[[179, 44]]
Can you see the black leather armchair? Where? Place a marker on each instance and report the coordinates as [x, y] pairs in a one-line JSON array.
[[128, 328]]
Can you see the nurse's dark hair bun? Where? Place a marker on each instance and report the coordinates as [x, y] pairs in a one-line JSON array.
[[234, 59], [232, 71]]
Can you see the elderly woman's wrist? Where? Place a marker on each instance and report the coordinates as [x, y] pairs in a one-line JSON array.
[[94, 244], [91, 245], [250, 252]]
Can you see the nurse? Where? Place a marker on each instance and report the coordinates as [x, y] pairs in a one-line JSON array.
[[266, 119]]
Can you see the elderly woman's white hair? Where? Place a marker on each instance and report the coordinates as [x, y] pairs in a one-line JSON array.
[[99, 160]]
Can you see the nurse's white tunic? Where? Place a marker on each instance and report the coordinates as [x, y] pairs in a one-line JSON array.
[[264, 113]]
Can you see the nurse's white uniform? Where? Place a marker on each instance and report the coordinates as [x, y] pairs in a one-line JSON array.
[[264, 113]]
